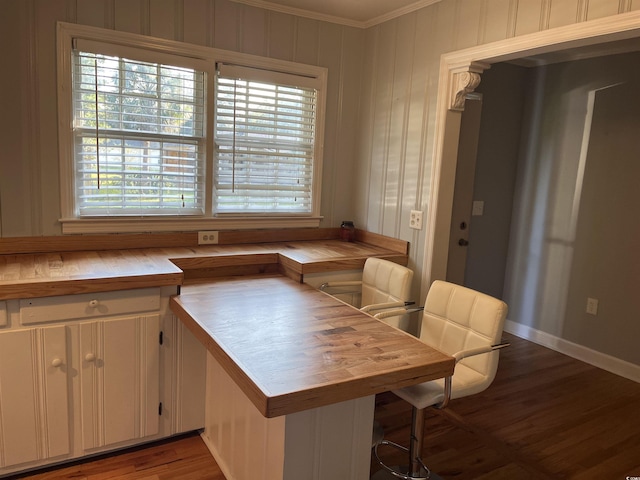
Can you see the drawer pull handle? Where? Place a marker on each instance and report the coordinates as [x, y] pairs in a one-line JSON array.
[[56, 362], [93, 303], [90, 357]]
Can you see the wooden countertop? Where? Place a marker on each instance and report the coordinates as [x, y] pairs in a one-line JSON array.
[[290, 347], [71, 272]]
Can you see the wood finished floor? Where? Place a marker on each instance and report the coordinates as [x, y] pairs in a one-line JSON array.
[[546, 416]]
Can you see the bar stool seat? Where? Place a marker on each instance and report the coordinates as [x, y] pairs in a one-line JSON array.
[[385, 285], [468, 326]]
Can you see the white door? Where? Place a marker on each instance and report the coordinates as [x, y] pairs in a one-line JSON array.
[[34, 406], [119, 380]]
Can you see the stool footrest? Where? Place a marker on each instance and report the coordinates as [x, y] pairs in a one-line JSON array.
[[424, 474]]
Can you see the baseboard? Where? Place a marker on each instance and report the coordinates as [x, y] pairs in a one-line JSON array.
[[579, 352]]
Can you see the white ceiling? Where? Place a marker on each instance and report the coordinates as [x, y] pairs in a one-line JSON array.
[[356, 13]]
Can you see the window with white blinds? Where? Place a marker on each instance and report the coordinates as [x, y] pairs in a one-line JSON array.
[[265, 141], [159, 135], [139, 136]]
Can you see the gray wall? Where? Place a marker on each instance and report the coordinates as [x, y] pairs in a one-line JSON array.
[[575, 228]]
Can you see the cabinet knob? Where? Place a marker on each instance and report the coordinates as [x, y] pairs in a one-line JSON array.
[[93, 303], [56, 362], [89, 357]]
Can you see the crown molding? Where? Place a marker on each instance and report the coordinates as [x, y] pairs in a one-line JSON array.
[[275, 7], [399, 12]]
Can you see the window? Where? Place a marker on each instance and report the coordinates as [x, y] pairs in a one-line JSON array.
[[169, 136], [265, 132], [138, 137]]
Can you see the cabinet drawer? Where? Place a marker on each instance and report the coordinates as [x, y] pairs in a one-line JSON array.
[[3, 314], [88, 305]]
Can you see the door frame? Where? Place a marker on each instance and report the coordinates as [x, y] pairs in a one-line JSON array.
[[460, 73], [463, 193]]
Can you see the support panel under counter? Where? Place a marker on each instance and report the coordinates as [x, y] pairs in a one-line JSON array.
[[292, 375], [330, 442]]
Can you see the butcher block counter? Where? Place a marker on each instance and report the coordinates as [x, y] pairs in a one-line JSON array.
[[290, 347], [49, 266]]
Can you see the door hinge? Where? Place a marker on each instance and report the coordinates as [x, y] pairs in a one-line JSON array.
[[161, 337], [160, 409]]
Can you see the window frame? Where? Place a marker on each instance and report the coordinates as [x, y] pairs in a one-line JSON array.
[[198, 55]]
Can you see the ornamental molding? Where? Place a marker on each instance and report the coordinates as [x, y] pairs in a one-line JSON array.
[[463, 81]]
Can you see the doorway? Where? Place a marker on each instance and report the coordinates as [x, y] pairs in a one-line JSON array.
[[462, 209], [547, 315], [488, 149], [455, 70]]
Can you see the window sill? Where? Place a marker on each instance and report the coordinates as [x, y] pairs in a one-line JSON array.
[[142, 225]]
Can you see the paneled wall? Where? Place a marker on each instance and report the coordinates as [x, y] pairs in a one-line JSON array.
[[29, 187], [398, 104], [381, 99]]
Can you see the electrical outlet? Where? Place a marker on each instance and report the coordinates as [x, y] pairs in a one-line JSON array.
[[207, 238], [415, 221], [592, 306]]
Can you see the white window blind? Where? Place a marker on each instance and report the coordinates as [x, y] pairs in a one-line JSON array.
[[139, 134], [265, 141]]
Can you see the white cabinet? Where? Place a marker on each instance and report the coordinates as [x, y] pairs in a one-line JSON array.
[[83, 374], [190, 364], [119, 368], [34, 395]]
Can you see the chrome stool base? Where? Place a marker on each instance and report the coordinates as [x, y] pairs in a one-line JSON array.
[[401, 472], [386, 475]]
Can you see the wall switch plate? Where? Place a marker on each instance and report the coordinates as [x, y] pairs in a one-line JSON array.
[[478, 208], [592, 306], [208, 238], [415, 221]]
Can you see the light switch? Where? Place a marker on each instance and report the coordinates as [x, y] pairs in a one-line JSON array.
[[478, 208]]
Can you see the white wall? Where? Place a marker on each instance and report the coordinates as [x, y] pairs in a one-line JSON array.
[[29, 187]]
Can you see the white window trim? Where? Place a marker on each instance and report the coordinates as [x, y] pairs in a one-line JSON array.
[[66, 32]]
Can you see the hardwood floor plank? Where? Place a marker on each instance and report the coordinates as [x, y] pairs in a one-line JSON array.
[[545, 417], [186, 458]]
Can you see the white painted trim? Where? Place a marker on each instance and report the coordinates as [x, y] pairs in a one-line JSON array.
[[592, 357], [603, 30], [323, 17], [399, 12], [148, 224]]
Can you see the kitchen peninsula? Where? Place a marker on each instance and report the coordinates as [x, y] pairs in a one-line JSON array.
[[292, 375], [291, 371]]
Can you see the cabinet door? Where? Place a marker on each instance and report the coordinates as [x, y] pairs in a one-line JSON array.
[[119, 379], [55, 377], [191, 364], [34, 406]]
